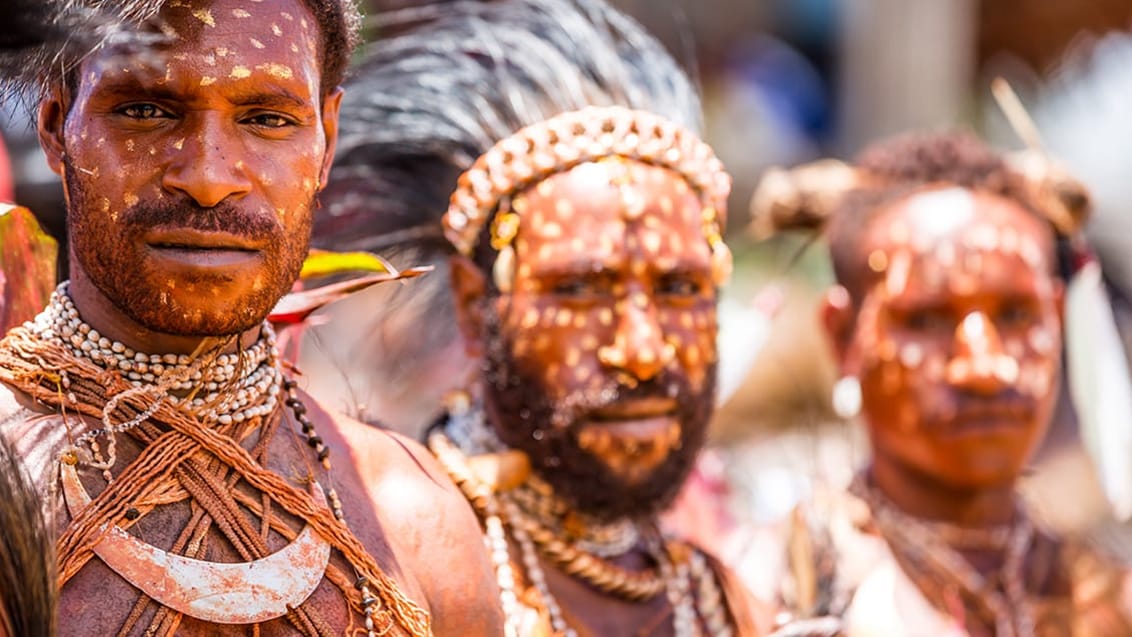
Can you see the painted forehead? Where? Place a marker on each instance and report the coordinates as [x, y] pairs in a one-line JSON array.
[[608, 196], [943, 222], [224, 40]]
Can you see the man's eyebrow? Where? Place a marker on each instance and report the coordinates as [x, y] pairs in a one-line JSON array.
[[271, 96], [576, 267], [681, 264]]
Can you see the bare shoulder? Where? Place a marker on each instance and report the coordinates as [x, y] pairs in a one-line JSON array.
[[14, 406], [433, 528], [37, 435], [8, 403], [21, 415], [402, 471]]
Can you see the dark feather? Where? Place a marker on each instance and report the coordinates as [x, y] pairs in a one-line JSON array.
[[27, 556], [43, 40], [422, 106]]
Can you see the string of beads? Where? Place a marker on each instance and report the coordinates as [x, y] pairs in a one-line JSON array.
[[213, 388], [226, 388], [688, 583], [931, 546]]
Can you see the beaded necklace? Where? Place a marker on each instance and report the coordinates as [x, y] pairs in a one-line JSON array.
[[931, 546], [536, 501], [214, 388], [224, 388], [534, 514]]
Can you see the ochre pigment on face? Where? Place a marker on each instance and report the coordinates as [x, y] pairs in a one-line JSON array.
[[963, 311], [202, 147]]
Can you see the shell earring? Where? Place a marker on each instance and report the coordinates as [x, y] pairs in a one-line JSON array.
[[503, 271], [847, 397]]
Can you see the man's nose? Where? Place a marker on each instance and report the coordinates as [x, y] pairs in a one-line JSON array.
[[207, 164], [638, 346], [978, 363]]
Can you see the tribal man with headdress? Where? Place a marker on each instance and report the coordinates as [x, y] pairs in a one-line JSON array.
[[946, 324], [188, 477], [585, 218]]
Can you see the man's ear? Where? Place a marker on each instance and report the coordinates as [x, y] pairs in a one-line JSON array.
[[1059, 302], [49, 125], [330, 108], [468, 287], [838, 319]]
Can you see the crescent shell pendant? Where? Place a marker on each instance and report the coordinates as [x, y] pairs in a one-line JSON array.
[[217, 592]]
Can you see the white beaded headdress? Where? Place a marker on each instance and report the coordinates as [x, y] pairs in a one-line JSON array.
[[566, 140]]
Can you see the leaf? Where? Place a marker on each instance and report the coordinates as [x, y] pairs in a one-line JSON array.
[[27, 266], [320, 263]]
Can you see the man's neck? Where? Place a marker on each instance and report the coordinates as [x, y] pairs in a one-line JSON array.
[[101, 314], [921, 497]]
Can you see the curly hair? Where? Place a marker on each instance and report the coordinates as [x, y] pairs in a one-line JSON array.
[[895, 168], [48, 39], [339, 31]]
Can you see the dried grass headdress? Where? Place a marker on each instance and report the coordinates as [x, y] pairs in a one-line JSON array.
[[805, 197]]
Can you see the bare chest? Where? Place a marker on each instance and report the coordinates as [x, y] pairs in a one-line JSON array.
[[198, 536]]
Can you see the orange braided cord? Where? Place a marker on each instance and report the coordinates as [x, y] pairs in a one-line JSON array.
[[23, 361]]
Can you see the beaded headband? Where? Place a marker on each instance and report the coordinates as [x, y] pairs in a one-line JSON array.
[[564, 141]]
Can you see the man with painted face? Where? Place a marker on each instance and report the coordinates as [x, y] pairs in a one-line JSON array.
[[194, 488], [946, 325], [584, 219]]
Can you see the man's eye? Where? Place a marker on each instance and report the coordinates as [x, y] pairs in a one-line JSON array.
[[144, 111], [927, 320], [269, 120], [1016, 314], [679, 286], [581, 286]]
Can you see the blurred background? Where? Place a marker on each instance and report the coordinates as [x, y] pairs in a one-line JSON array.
[[787, 81]]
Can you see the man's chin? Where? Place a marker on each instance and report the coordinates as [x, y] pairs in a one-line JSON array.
[[606, 494], [631, 450], [195, 319], [618, 502]]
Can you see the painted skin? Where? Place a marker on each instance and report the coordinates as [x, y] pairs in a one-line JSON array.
[[191, 171], [607, 294], [612, 289], [957, 341]]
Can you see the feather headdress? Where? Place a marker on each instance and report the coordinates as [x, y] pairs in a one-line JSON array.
[[43, 40]]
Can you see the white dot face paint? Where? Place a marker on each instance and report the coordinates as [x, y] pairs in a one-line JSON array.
[[205, 16], [955, 311], [619, 270], [911, 355], [205, 72]]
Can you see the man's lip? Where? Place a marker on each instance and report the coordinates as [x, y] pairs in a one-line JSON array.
[[638, 409], [184, 239], [631, 447], [991, 418], [209, 258]]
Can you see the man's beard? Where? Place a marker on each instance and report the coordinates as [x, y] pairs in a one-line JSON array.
[[111, 254], [526, 417]]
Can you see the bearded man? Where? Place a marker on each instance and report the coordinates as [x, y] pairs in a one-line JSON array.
[[946, 324], [148, 400], [586, 231]]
